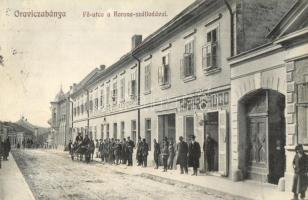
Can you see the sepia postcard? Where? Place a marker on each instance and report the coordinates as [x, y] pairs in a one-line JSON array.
[[153, 99]]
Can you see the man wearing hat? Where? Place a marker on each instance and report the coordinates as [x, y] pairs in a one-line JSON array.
[[194, 153], [182, 149]]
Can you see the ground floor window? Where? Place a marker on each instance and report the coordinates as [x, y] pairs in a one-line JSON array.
[[133, 130], [148, 132], [122, 130], [189, 126], [102, 131], [115, 130], [166, 127], [107, 131]]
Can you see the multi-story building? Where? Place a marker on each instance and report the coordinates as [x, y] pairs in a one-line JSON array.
[[178, 81], [269, 101]]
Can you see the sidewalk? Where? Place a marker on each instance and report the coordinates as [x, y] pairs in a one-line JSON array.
[[12, 183], [247, 189]]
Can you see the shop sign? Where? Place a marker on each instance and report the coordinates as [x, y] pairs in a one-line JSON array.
[[204, 101]]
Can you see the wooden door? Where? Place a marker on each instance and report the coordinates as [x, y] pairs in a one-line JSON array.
[[257, 148]]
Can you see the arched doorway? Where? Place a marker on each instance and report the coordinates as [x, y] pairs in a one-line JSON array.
[[262, 135]]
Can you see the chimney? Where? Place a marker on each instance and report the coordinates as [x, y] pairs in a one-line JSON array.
[[136, 40], [102, 67]]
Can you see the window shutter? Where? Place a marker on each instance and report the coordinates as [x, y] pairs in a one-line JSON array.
[[149, 77], [204, 57], [182, 67], [209, 56], [129, 87], [160, 74], [193, 57], [222, 142]]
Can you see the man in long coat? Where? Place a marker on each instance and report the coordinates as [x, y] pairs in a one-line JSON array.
[[156, 153], [209, 147], [144, 152], [130, 147], [194, 153], [182, 149]]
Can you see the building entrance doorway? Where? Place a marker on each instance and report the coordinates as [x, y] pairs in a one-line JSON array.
[[166, 127], [265, 136], [211, 142]]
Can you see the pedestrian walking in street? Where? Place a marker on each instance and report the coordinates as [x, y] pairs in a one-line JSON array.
[[165, 154], [156, 153], [209, 147], [182, 151], [300, 172], [144, 152], [171, 155], [6, 149], [194, 153], [130, 146]]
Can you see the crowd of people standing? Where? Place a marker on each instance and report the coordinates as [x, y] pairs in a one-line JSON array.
[[167, 154]]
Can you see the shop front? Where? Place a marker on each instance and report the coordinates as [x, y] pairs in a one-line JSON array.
[[206, 116]]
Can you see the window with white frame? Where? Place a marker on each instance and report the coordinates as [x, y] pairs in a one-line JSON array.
[[96, 103], [147, 78], [187, 63], [122, 89], [132, 89], [164, 71], [114, 92], [210, 50], [108, 95], [102, 98]]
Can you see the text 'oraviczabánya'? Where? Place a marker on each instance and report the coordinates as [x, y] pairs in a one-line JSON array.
[[42, 14]]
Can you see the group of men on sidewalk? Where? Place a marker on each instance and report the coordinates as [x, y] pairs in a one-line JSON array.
[[5, 148], [188, 154], [185, 154]]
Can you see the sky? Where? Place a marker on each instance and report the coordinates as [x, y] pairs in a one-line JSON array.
[[41, 54]]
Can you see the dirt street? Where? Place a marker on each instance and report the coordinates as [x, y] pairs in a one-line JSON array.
[[53, 176]]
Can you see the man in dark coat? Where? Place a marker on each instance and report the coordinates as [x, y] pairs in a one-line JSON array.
[[182, 151], [194, 153], [130, 147], [139, 153], [79, 138], [156, 153], [6, 149], [300, 171], [209, 147], [144, 152]]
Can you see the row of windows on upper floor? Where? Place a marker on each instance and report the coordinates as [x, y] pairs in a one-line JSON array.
[[209, 63]]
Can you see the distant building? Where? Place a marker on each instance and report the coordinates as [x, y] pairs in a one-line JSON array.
[[60, 127]]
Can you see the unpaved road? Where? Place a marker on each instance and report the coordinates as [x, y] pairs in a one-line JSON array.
[[53, 176]]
